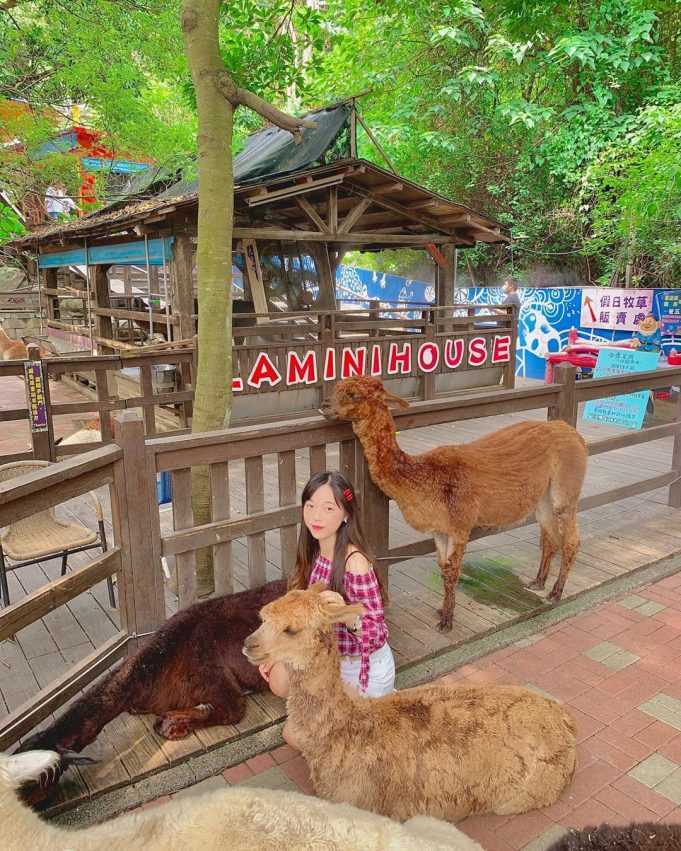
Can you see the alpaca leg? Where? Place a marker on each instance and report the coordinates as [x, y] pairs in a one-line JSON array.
[[222, 703], [548, 549], [549, 539], [450, 554], [567, 524]]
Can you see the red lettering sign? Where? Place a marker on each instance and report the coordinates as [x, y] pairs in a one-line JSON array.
[[399, 362], [376, 361], [301, 371], [428, 357], [477, 351], [501, 349], [330, 365], [237, 385], [453, 353], [264, 372], [353, 362]]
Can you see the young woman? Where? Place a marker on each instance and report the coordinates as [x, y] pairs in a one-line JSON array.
[[332, 550]]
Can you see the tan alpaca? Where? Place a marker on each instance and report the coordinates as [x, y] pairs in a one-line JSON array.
[[444, 751], [11, 349], [237, 817], [491, 482]]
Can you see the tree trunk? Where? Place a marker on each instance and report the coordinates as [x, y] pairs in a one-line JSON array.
[[212, 399], [217, 96]]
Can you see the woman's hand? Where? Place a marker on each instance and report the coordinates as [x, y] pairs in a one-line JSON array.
[[265, 671]]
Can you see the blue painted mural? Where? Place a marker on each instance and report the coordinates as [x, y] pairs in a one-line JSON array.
[[544, 322]]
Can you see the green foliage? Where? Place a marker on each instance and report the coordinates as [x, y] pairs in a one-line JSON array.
[[10, 224], [507, 105], [558, 119]]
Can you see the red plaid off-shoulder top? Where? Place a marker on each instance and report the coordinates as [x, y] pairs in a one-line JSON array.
[[358, 588]]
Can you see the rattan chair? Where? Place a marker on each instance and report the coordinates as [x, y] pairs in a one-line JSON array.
[[42, 536]]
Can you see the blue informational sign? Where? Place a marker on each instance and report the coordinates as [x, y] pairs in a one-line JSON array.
[[626, 411]]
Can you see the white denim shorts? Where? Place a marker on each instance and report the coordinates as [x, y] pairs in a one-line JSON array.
[[381, 672]]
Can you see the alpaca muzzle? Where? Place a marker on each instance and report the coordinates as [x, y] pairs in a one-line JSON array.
[[252, 651]]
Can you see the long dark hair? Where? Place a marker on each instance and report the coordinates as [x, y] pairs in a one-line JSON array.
[[349, 533]]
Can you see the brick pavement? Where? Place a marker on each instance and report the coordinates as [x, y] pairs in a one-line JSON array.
[[618, 668]]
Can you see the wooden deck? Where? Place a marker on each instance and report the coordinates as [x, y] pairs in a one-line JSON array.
[[617, 538]]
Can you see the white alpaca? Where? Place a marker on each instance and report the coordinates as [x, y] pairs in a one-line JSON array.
[[239, 818]]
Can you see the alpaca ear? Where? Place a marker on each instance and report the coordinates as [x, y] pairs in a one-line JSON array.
[[317, 588], [394, 401], [337, 611]]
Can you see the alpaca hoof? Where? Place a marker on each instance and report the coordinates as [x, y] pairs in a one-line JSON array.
[[536, 585], [172, 728], [555, 595], [445, 624]]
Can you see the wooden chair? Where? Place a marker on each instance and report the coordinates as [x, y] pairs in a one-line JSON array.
[[42, 536]]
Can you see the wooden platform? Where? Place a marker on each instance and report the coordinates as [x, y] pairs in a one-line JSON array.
[[617, 538]]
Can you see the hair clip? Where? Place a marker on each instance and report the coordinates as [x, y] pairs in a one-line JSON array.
[[347, 493]]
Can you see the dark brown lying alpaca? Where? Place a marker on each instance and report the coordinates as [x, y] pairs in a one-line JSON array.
[[191, 674], [646, 836]]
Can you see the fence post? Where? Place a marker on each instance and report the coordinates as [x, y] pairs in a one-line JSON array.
[[136, 530], [509, 369], [430, 336], [38, 403], [327, 329], [567, 409], [674, 499], [375, 514]]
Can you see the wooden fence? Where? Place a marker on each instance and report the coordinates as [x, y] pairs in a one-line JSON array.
[[102, 369], [139, 583], [361, 334], [246, 504]]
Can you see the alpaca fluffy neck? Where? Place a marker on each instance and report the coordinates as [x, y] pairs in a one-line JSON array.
[[22, 827], [385, 458], [317, 696]]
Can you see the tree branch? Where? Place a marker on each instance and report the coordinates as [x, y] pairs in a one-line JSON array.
[[242, 97], [6, 5]]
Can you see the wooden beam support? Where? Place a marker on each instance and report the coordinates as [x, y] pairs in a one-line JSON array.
[[354, 215], [182, 284], [312, 214], [415, 216], [333, 209], [265, 197], [352, 238]]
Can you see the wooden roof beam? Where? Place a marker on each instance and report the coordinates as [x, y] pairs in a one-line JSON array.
[[387, 188], [430, 221], [265, 197], [312, 214], [354, 215], [354, 237]]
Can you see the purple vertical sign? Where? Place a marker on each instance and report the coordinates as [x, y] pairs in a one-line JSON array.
[[35, 395]]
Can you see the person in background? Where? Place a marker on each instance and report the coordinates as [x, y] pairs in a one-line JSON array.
[[510, 289], [58, 205]]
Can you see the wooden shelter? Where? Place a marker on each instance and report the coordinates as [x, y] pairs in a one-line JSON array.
[[298, 210]]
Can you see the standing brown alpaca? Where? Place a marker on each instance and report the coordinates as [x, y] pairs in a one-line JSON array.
[[495, 481], [447, 751]]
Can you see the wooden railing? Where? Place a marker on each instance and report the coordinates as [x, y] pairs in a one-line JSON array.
[[301, 333], [101, 369], [236, 461], [139, 587]]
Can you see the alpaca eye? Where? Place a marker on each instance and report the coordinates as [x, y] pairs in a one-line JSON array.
[[290, 631]]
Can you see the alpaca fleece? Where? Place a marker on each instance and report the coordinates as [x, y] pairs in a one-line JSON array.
[[647, 836], [191, 674], [491, 482], [437, 750], [239, 818]]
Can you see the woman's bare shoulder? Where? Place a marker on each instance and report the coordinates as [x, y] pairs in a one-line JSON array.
[[357, 562]]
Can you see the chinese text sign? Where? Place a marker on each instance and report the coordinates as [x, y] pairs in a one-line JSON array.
[[627, 411]]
